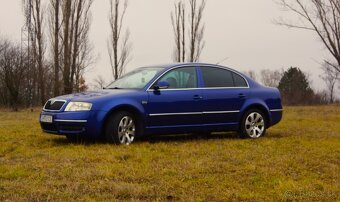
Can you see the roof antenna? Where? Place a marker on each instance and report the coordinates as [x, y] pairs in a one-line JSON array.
[[224, 59]]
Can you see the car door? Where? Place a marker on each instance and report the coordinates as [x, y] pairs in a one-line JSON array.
[[180, 104], [224, 93]]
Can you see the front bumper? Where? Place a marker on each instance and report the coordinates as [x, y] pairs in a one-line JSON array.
[[72, 123]]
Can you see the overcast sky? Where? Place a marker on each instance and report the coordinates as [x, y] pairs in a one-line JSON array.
[[242, 30]]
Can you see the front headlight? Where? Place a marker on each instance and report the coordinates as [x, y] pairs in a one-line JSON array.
[[78, 106]]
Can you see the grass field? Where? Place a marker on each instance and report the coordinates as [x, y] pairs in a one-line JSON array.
[[299, 159]]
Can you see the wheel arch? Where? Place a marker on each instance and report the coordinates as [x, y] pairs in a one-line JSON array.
[[263, 108], [138, 113]]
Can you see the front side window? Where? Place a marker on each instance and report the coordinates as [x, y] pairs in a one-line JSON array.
[[217, 77], [136, 79], [184, 77]]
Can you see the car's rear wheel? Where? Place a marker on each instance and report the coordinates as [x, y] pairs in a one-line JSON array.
[[253, 124], [121, 128]]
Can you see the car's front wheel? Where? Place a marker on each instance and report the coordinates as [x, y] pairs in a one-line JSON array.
[[253, 124], [121, 128]]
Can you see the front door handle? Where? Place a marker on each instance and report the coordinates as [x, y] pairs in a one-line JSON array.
[[241, 95], [197, 97]]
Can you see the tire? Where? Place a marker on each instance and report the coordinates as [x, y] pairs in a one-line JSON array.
[[253, 124], [120, 128]]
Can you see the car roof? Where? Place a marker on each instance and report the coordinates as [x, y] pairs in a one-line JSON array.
[[171, 65]]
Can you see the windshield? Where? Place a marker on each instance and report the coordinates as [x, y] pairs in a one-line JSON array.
[[136, 79]]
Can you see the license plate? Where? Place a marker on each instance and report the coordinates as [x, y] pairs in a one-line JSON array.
[[46, 118]]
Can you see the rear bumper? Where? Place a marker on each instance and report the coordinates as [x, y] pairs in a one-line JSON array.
[[276, 116], [73, 123]]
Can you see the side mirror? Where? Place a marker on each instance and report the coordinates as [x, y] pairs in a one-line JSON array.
[[161, 85]]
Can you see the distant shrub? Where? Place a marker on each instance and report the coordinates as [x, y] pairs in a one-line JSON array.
[[296, 90]]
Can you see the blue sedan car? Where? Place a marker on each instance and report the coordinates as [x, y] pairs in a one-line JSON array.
[[169, 99]]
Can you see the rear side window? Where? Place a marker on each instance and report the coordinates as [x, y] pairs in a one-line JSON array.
[[216, 77], [239, 81]]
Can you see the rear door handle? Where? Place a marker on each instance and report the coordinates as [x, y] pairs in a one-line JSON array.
[[241, 95], [197, 97]]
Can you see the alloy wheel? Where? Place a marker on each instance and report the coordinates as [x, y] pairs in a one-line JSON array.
[[126, 130], [254, 125]]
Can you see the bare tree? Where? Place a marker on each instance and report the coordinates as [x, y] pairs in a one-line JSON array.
[[3, 45], [76, 47], [251, 74], [118, 45], [39, 47], [271, 78], [330, 77], [82, 49], [67, 13], [321, 17], [84, 60], [178, 25], [36, 13], [196, 29], [3, 91], [55, 26], [99, 82]]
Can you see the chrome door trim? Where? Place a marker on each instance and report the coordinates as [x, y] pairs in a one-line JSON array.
[[70, 121], [276, 110], [221, 112], [174, 114], [195, 113]]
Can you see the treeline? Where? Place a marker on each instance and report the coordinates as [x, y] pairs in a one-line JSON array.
[[295, 86], [52, 56], [51, 60], [19, 82]]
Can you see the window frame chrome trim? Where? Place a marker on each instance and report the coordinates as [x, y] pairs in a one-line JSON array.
[[203, 88], [208, 88], [55, 100]]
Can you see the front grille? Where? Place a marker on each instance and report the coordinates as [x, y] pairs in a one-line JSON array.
[[54, 105]]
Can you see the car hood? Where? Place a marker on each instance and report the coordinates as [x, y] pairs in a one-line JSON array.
[[96, 95]]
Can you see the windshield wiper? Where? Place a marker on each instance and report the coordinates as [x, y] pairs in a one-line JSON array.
[[113, 88]]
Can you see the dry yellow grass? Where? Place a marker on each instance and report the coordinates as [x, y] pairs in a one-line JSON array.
[[299, 159]]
